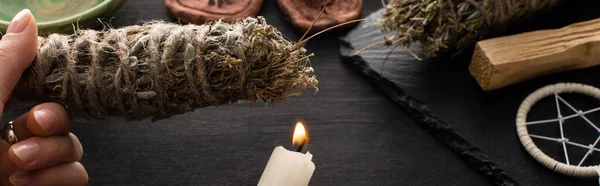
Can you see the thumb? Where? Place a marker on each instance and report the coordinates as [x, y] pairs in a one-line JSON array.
[[18, 49]]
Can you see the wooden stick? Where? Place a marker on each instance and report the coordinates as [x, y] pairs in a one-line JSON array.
[[503, 61]]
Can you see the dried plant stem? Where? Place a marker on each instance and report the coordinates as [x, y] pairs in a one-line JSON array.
[[453, 25], [161, 69], [303, 42]]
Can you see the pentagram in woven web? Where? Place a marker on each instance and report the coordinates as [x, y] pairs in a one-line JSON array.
[[561, 120]]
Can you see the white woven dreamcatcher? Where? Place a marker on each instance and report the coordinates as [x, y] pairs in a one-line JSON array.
[[567, 168]]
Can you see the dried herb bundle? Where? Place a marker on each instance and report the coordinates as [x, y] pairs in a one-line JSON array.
[[161, 69], [452, 25]]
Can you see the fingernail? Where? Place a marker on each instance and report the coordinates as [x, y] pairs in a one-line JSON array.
[[46, 118], [26, 150], [19, 22], [19, 179]]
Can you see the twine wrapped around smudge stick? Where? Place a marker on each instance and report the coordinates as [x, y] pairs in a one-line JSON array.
[[453, 25], [162, 69]]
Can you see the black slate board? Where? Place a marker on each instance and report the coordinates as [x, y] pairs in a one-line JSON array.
[[485, 120], [357, 136]]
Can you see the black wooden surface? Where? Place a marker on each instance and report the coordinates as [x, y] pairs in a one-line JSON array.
[[357, 136], [487, 119]]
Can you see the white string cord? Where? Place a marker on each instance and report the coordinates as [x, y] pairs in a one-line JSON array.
[[590, 150], [529, 145], [560, 124], [575, 144], [579, 113], [565, 118], [591, 147]]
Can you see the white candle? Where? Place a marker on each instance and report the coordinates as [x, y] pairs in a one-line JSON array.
[[287, 168]]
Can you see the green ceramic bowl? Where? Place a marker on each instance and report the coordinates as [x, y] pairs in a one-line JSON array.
[[59, 16]]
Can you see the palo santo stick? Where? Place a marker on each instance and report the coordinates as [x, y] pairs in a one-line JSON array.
[[503, 61]]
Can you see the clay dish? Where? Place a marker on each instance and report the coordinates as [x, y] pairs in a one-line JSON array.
[[59, 16]]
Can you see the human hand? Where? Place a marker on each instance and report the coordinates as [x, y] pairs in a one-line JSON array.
[[47, 153]]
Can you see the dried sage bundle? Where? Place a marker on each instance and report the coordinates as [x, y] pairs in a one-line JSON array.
[[162, 69], [452, 25]]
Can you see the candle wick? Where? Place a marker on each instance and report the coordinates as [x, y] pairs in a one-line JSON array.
[[299, 149], [301, 146]]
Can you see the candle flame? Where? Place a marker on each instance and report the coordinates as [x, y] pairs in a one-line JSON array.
[[300, 136]]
